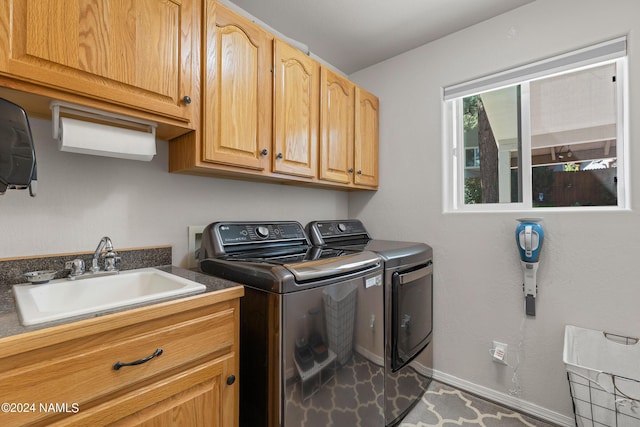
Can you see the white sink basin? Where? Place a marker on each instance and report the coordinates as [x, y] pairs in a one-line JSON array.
[[64, 298]]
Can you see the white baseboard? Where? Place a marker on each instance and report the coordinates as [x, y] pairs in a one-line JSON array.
[[369, 355], [498, 397]]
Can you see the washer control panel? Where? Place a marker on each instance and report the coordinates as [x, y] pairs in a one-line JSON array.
[[321, 232], [234, 233]]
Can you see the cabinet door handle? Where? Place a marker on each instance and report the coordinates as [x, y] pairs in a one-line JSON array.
[[119, 365], [186, 99], [279, 156], [350, 170], [264, 152], [359, 172], [231, 379]]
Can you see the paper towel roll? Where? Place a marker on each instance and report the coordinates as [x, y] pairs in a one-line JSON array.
[[77, 136]]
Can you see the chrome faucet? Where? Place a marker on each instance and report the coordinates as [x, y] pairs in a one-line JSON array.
[[110, 257], [76, 267]]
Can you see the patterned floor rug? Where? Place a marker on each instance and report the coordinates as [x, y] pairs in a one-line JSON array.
[[444, 406], [352, 397]]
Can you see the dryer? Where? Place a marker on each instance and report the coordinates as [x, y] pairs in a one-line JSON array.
[[406, 311]]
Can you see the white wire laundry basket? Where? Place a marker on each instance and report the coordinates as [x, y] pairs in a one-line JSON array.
[[603, 370]]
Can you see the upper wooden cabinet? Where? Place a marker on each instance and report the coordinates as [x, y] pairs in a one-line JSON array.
[[269, 111], [134, 54], [349, 133], [295, 114], [365, 145], [336, 122], [236, 90]]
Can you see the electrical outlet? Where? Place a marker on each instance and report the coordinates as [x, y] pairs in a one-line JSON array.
[[499, 352], [195, 234]]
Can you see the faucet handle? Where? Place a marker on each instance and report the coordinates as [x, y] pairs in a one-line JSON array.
[[111, 261], [76, 266]]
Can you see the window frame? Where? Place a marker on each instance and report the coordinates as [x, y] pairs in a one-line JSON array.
[[452, 130]]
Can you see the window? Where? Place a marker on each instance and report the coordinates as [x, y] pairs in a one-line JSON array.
[[546, 135]]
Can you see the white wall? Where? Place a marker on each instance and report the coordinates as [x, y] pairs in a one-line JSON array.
[[588, 274], [82, 198]]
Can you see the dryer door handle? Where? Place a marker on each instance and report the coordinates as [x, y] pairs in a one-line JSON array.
[[412, 276]]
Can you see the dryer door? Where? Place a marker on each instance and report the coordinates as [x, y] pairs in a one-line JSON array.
[[411, 313]]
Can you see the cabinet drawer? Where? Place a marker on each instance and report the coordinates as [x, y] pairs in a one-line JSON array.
[[80, 371], [167, 402]]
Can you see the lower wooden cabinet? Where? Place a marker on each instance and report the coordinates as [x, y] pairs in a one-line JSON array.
[[67, 375], [194, 397]]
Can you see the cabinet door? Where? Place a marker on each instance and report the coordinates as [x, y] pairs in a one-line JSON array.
[[336, 124], [295, 116], [134, 53], [236, 90], [366, 139], [204, 395], [200, 399]]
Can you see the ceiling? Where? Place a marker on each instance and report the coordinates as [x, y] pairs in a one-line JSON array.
[[354, 34]]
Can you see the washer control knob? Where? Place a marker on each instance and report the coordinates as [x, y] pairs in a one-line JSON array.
[[342, 228], [262, 232]]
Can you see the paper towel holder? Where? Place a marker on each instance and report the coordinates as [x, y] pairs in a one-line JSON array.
[[86, 130], [58, 107]]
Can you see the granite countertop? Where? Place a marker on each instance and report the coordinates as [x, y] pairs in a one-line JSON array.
[[10, 323]]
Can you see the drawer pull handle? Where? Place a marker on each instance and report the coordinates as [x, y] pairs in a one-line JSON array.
[[119, 365]]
